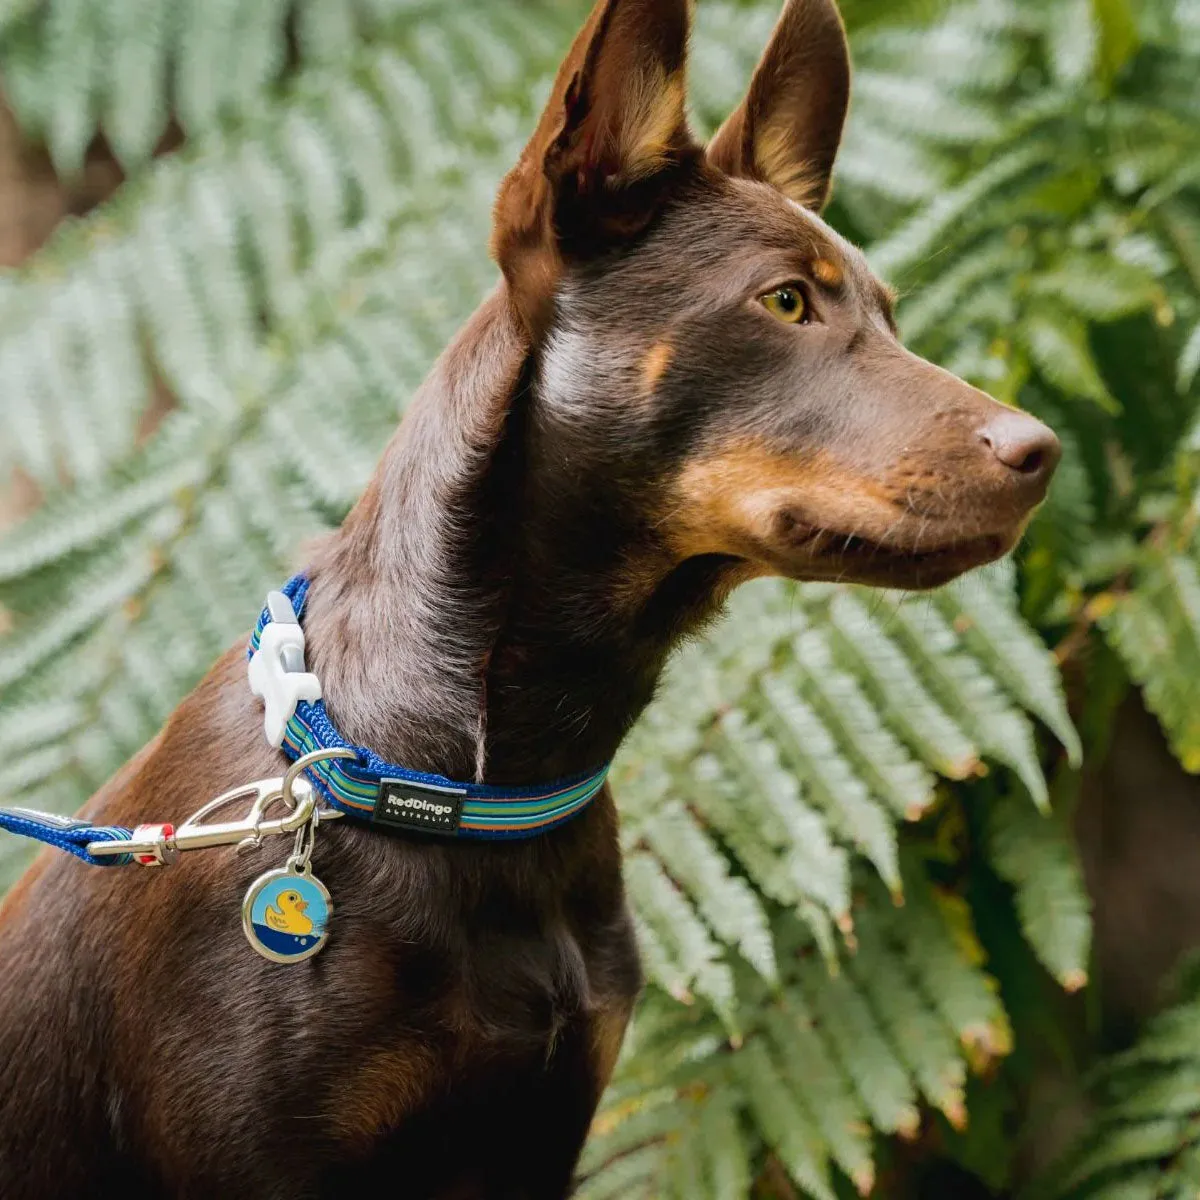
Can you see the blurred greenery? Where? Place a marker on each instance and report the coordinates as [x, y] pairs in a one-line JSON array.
[[286, 267]]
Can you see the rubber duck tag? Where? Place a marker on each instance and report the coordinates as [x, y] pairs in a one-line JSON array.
[[286, 912], [286, 915]]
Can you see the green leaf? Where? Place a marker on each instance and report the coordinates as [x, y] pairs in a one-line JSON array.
[[888, 676], [926, 1046], [965, 997], [987, 623], [904, 247], [1118, 34], [1097, 287], [1189, 361], [1037, 855], [1155, 628], [814, 1074], [684, 951], [729, 906], [786, 1124], [964, 686], [1058, 345], [861, 1044], [813, 753]]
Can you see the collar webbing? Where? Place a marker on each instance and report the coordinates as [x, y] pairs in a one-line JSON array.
[[397, 798]]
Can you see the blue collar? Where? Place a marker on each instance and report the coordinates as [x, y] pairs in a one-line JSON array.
[[363, 785]]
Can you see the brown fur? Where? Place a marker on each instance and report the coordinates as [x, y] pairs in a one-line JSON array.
[[618, 436]]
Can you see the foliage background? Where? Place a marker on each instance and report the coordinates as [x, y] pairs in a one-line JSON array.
[[850, 820]]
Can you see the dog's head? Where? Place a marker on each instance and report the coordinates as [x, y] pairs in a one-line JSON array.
[[710, 355]]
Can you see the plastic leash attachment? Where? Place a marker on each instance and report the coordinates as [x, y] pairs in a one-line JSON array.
[[161, 845]]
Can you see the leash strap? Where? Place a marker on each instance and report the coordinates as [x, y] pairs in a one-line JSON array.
[[67, 833], [390, 796]]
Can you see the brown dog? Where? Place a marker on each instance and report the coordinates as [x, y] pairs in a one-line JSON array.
[[685, 379]]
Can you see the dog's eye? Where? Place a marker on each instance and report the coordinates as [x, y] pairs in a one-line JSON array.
[[786, 304]]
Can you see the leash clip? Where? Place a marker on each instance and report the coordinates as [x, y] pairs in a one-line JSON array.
[[161, 845]]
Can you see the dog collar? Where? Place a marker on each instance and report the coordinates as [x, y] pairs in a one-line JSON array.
[[366, 787]]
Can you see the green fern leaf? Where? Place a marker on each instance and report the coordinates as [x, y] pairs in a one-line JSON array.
[[728, 905], [816, 758], [1098, 287], [963, 685], [1156, 630], [1058, 345], [883, 1086], [867, 652], [926, 1046], [1189, 365], [786, 1125], [814, 1075], [1035, 854], [680, 936], [816, 866], [987, 623], [909, 243], [634, 1176], [957, 989], [719, 1139]]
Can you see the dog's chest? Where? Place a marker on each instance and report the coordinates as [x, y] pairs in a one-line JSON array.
[[488, 1055]]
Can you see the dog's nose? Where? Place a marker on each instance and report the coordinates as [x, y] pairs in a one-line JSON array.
[[1024, 445]]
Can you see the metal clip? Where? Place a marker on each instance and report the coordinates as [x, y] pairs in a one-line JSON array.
[[160, 845]]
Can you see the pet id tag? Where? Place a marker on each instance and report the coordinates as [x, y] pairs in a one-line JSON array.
[[286, 912]]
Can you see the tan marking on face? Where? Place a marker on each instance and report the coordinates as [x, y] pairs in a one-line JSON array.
[[827, 272], [730, 502], [654, 365]]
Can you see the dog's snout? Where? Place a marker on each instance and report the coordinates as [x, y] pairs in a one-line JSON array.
[[1024, 445]]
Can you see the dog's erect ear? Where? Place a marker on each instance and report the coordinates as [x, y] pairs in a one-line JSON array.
[[595, 169], [786, 132]]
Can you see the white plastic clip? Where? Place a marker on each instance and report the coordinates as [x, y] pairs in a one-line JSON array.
[[277, 671]]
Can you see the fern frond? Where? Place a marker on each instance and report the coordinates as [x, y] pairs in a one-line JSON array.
[[1036, 855], [728, 904], [964, 686], [811, 1072], [1146, 1139], [984, 618], [863, 647], [788, 1126], [1058, 344], [684, 951], [1155, 628]]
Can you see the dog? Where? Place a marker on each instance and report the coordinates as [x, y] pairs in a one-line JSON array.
[[683, 379]]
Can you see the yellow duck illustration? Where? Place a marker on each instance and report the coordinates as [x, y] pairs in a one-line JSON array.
[[289, 916]]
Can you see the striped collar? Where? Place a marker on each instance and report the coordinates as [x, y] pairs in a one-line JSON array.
[[364, 786]]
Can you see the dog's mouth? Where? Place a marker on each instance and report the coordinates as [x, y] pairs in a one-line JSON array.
[[853, 558]]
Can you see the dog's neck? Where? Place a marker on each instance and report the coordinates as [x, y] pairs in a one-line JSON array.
[[462, 621]]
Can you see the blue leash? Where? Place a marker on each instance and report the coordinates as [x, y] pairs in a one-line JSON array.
[[67, 833]]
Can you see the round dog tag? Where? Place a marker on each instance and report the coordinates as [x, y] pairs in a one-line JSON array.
[[286, 915]]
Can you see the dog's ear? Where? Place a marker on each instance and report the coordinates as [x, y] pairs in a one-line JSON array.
[[786, 131], [601, 159]]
